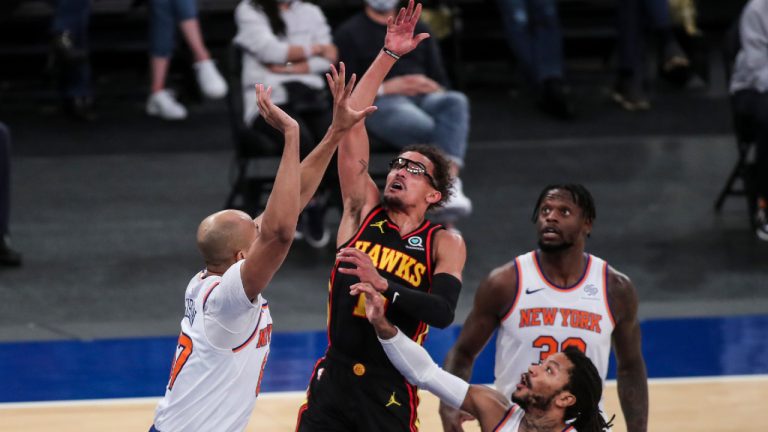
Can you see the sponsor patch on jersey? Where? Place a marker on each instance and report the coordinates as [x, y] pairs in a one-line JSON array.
[[590, 292], [415, 242]]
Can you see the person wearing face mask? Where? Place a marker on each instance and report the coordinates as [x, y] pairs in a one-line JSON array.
[[415, 103], [287, 45]]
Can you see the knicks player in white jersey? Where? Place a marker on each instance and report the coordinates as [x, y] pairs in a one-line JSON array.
[[561, 394], [226, 329], [552, 298]]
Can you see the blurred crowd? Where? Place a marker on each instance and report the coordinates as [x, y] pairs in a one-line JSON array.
[[289, 45]]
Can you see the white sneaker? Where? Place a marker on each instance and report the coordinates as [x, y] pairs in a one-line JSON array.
[[162, 104], [209, 79], [458, 205]]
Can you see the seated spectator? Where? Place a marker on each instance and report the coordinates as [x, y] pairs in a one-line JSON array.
[[749, 86], [165, 15], [532, 30], [288, 46], [8, 256], [414, 104], [70, 56]]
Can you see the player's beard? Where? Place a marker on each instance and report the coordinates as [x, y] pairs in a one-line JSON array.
[[392, 203], [555, 248], [534, 401]]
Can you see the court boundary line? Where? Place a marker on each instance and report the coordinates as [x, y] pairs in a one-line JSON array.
[[293, 394]]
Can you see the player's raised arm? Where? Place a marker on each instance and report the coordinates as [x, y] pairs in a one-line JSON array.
[[344, 118], [277, 225], [358, 191], [491, 300], [416, 365]]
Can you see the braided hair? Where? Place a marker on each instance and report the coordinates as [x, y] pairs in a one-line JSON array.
[[586, 385], [580, 195]]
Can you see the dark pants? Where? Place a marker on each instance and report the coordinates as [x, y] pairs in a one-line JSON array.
[[532, 29], [5, 178], [635, 18], [341, 398], [752, 106], [72, 16]]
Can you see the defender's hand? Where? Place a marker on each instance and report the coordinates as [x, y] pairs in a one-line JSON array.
[[364, 268], [344, 117], [375, 304], [400, 39], [273, 115]]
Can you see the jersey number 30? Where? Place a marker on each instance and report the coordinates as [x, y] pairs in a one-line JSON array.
[[183, 350], [550, 345]]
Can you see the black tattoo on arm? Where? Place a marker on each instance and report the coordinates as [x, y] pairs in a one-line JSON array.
[[364, 166]]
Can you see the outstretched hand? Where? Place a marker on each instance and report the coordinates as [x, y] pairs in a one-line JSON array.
[[374, 302], [273, 115], [400, 39], [344, 117]]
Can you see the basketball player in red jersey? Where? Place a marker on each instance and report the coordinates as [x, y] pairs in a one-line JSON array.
[[552, 298], [384, 240]]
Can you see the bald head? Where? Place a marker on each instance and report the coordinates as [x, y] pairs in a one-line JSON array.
[[222, 235]]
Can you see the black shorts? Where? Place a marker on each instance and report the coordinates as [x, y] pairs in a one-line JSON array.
[[348, 396]]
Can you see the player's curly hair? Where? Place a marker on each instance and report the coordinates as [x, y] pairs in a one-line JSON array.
[[442, 170], [586, 385], [580, 195]]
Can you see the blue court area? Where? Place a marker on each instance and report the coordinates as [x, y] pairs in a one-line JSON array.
[[120, 368]]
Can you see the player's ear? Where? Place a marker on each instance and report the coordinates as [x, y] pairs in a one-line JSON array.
[[240, 255], [565, 399], [434, 197]]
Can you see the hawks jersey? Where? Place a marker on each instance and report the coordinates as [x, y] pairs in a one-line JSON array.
[[545, 319], [220, 357], [404, 258], [512, 419]]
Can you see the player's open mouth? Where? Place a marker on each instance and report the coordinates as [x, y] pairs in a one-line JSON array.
[[550, 232], [396, 185], [525, 380]]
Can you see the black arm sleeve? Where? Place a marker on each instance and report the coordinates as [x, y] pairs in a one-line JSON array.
[[436, 308]]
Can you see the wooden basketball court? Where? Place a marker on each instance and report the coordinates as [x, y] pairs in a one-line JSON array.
[[715, 404]]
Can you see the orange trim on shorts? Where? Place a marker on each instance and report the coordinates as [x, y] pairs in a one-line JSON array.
[[605, 294], [578, 283], [517, 294]]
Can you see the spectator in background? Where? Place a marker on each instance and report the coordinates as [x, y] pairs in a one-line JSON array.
[[749, 86], [414, 103], [165, 15], [532, 30], [8, 256], [70, 56], [287, 45], [635, 19]]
